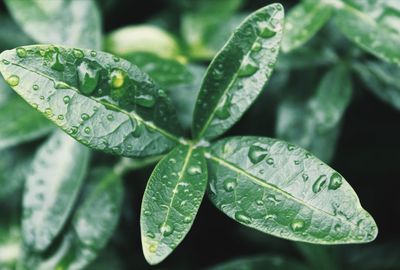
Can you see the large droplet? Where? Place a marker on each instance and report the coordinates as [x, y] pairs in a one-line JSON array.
[[297, 225], [21, 52], [88, 75], [243, 217], [222, 111], [58, 63], [145, 100], [166, 229], [194, 170], [137, 128], [247, 69], [319, 184], [230, 184], [335, 181], [85, 116], [78, 53], [265, 31], [153, 248], [257, 154], [117, 78], [13, 80]]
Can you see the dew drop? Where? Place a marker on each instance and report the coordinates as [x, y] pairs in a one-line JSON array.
[[5, 62], [116, 59], [88, 76], [147, 101], [150, 235], [61, 85], [66, 99], [297, 225], [265, 31], [260, 202], [58, 64], [78, 53], [305, 177], [48, 112], [247, 69], [230, 184], [117, 78], [13, 80], [85, 116], [147, 213], [153, 248], [194, 170], [337, 227], [187, 219], [93, 53], [172, 160], [110, 117], [87, 130], [243, 217], [270, 161], [291, 147], [222, 111], [256, 47], [21, 52], [60, 117], [166, 229], [319, 184], [335, 181], [256, 154], [35, 87]]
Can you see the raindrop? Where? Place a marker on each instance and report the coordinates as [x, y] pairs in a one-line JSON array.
[[194, 170], [60, 117], [93, 53], [61, 85], [58, 63], [222, 111], [35, 87], [297, 225], [147, 101], [5, 62], [116, 59], [87, 130], [305, 177], [78, 53], [147, 213], [153, 248], [172, 160], [256, 47], [110, 117], [257, 154], [187, 219], [166, 229], [265, 31], [48, 112], [88, 75], [243, 217], [230, 184], [117, 78], [270, 161], [260, 202], [335, 181], [66, 99], [85, 116], [319, 184], [21, 52], [290, 147], [150, 235], [247, 69], [13, 80]]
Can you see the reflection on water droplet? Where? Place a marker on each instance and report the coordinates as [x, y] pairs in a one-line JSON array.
[[117, 78], [87, 130], [5, 62], [270, 161], [166, 229], [290, 147], [297, 225], [243, 217], [335, 181], [88, 76], [21, 52], [230, 184], [247, 69], [78, 53], [84, 116], [305, 177], [265, 31], [150, 235], [13, 80], [319, 184], [187, 219], [222, 111], [66, 99], [93, 53], [256, 47], [153, 248], [194, 170], [147, 101], [257, 154], [58, 63], [35, 87]]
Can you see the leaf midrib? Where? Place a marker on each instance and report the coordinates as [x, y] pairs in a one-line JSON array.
[[260, 182], [131, 115]]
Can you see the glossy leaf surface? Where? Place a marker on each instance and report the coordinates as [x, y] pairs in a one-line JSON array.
[[283, 190], [382, 79], [171, 201], [51, 188], [47, 20], [303, 21], [367, 33], [238, 73], [102, 101], [314, 124]]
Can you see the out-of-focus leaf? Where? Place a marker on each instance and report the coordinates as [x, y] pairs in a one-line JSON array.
[[73, 23], [201, 25], [303, 21], [165, 72], [382, 79], [103, 101], [363, 30], [10, 246], [171, 201], [11, 35], [283, 190], [266, 262], [314, 124], [238, 73], [142, 38], [319, 257], [51, 188]]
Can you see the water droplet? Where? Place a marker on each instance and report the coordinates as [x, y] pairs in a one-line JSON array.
[[296, 162], [243, 217], [150, 235], [85, 116], [147, 212], [13, 80], [88, 75], [73, 130], [110, 117], [247, 69], [166, 229], [21, 52], [137, 129], [172, 160], [60, 117], [335, 181], [87, 130], [35, 87], [35, 105], [187, 219], [265, 31], [337, 227], [230, 184], [194, 170], [305, 177], [319, 184], [66, 99], [161, 93], [93, 53], [260, 202], [297, 225], [78, 53], [58, 63], [257, 154], [256, 47], [153, 248], [290, 147], [270, 161], [48, 112], [147, 101], [5, 62], [222, 111], [61, 85], [117, 78], [116, 58]]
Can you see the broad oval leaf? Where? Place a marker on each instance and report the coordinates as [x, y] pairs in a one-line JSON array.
[[58, 170], [20, 123], [46, 20], [368, 34], [283, 190], [171, 201], [303, 21], [238, 73], [101, 100]]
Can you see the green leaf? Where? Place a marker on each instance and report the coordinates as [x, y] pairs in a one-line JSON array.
[[238, 73], [142, 38], [201, 24], [319, 257], [166, 217], [303, 21], [165, 72], [20, 123], [314, 124], [283, 190], [368, 34], [10, 245], [382, 79], [11, 35], [102, 101], [73, 23], [51, 188], [261, 263]]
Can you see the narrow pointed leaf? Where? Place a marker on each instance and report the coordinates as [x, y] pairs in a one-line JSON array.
[[171, 201], [51, 188], [73, 23], [368, 34], [102, 101], [303, 21], [261, 263], [20, 123], [283, 190], [382, 79], [239, 72], [314, 124]]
